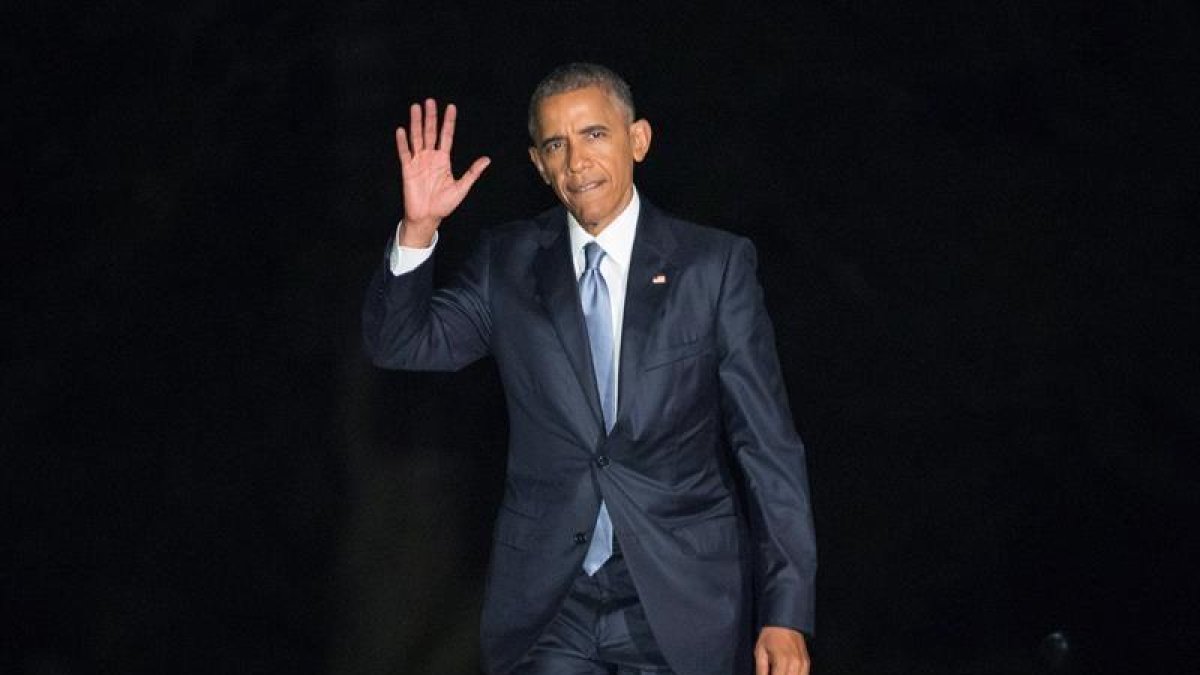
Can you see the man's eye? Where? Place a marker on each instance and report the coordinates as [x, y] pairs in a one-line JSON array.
[[596, 133], [553, 145]]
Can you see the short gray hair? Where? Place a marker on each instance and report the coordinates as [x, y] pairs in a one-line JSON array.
[[573, 76]]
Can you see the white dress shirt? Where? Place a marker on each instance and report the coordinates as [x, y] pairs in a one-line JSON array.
[[616, 240]]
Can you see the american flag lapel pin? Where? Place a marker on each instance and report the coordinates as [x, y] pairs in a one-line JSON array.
[[659, 279]]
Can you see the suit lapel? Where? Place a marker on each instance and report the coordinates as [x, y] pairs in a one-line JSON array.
[[559, 294], [651, 273]]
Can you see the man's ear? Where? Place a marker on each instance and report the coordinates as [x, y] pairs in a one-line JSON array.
[[537, 163], [639, 137]]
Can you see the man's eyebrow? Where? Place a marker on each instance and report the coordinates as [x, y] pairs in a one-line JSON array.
[[593, 127]]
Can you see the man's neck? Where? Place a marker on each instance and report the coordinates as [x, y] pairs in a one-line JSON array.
[[594, 229], [616, 238]]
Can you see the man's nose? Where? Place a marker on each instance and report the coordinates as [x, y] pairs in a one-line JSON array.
[[577, 159]]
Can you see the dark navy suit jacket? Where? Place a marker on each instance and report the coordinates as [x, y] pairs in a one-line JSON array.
[[703, 472]]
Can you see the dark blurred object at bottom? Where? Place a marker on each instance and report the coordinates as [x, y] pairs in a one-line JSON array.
[[1054, 654]]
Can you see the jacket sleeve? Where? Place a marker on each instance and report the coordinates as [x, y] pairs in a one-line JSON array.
[[766, 448], [408, 325]]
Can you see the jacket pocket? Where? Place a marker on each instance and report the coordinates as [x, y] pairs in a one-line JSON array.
[[671, 353], [710, 538], [514, 529]]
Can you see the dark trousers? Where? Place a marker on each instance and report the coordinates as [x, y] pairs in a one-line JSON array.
[[600, 630]]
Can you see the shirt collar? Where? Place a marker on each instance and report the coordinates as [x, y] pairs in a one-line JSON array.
[[616, 239]]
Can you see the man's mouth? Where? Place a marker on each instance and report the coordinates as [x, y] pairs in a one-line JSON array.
[[584, 187]]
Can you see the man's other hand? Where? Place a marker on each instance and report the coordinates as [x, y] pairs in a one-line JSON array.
[[780, 651]]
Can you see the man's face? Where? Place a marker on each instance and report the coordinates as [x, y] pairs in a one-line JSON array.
[[585, 150]]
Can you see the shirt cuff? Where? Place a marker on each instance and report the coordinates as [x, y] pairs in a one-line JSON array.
[[404, 259]]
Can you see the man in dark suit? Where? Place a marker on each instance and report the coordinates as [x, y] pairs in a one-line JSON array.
[[656, 514]]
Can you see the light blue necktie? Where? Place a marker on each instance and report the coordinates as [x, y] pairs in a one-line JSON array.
[[597, 313]]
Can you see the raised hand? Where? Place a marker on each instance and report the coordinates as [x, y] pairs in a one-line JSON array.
[[430, 190]]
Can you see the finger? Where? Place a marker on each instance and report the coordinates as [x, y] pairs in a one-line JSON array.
[[414, 127], [761, 665], [430, 124], [447, 138], [472, 174], [402, 145]]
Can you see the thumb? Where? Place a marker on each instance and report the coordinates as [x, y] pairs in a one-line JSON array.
[[762, 663], [472, 174]]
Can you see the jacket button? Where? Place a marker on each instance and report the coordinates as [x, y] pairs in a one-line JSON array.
[[602, 461], [580, 538]]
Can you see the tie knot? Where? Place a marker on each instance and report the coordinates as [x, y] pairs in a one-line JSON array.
[[592, 254]]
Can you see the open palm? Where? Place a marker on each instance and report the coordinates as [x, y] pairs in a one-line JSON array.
[[430, 190]]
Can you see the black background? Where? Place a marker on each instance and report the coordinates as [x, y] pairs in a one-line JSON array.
[[977, 228]]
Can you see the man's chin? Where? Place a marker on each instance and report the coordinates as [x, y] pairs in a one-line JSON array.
[[586, 217], [589, 213], [589, 221]]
